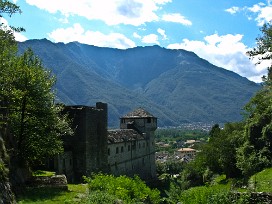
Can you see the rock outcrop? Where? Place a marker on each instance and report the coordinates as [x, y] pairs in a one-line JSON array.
[[6, 194]]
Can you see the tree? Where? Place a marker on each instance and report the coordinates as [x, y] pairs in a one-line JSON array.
[[36, 121], [255, 153], [219, 153], [27, 105]]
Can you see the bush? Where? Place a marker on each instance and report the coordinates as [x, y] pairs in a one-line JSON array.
[[129, 190]]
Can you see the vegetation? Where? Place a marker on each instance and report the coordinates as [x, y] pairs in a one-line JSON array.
[[241, 152], [261, 181], [162, 84], [75, 194], [109, 189], [34, 122]]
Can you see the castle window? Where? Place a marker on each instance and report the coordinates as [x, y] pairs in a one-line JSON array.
[[108, 151], [122, 149], [148, 120], [117, 150], [128, 147]]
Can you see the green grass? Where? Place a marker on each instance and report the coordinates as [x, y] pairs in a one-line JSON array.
[[262, 181], [74, 194], [43, 173]]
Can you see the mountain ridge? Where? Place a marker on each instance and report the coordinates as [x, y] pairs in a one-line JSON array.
[[175, 85]]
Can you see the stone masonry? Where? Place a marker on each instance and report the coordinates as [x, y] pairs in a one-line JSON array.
[[128, 151]]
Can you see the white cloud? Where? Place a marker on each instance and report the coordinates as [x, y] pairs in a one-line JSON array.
[[151, 39], [113, 12], [260, 12], [176, 18], [162, 33], [18, 36], [264, 15], [162, 1], [232, 10], [225, 51], [77, 33], [136, 35]]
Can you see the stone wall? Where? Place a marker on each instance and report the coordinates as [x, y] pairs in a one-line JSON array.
[[130, 158], [89, 143]]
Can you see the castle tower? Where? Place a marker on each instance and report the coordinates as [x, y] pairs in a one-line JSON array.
[[88, 146], [146, 124]]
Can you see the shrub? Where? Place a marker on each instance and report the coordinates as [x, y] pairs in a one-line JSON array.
[[129, 190]]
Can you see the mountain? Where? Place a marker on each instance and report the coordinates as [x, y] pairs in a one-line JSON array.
[[174, 85]]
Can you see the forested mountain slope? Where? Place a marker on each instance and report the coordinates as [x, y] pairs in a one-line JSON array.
[[175, 85]]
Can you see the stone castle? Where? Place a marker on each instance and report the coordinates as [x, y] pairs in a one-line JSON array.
[[129, 150]]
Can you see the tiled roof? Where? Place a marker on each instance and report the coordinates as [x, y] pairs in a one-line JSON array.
[[138, 113], [123, 135], [185, 149]]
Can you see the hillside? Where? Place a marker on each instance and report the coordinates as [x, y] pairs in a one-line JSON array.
[[175, 85]]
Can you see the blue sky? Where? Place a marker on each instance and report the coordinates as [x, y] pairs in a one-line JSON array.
[[220, 31]]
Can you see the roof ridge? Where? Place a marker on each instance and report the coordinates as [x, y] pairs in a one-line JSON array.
[[138, 112]]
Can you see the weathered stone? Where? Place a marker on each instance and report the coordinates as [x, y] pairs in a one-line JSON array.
[[58, 181], [129, 150], [6, 195]]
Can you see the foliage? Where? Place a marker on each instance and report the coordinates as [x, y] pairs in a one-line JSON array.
[[34, 119], [102, 197], [171, 167], [210, 194], [166, 88], [179, 134], [255, 152], [27, 100], [6, 7], [77, 193], [218, 155], [3, 161], [129, 190]]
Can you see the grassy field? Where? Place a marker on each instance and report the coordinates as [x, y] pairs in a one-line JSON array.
[[76, 193], [262, 181]]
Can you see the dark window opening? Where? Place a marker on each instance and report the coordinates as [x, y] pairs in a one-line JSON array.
[[117, 150]]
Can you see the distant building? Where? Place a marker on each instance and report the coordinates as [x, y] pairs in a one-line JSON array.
[[128, 151], [185, 154]]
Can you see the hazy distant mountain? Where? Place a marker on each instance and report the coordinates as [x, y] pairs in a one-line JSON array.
[[175, 85]]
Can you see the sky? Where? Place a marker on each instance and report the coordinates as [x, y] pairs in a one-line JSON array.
[[220, 31]]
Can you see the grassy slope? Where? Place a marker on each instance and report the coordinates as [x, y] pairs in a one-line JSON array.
[[75, 194], [262, 181], [218, 191]]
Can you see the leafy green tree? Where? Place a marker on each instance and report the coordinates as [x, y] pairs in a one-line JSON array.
[[255, 153], [218, 155], [27, 106], [35, 120]]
